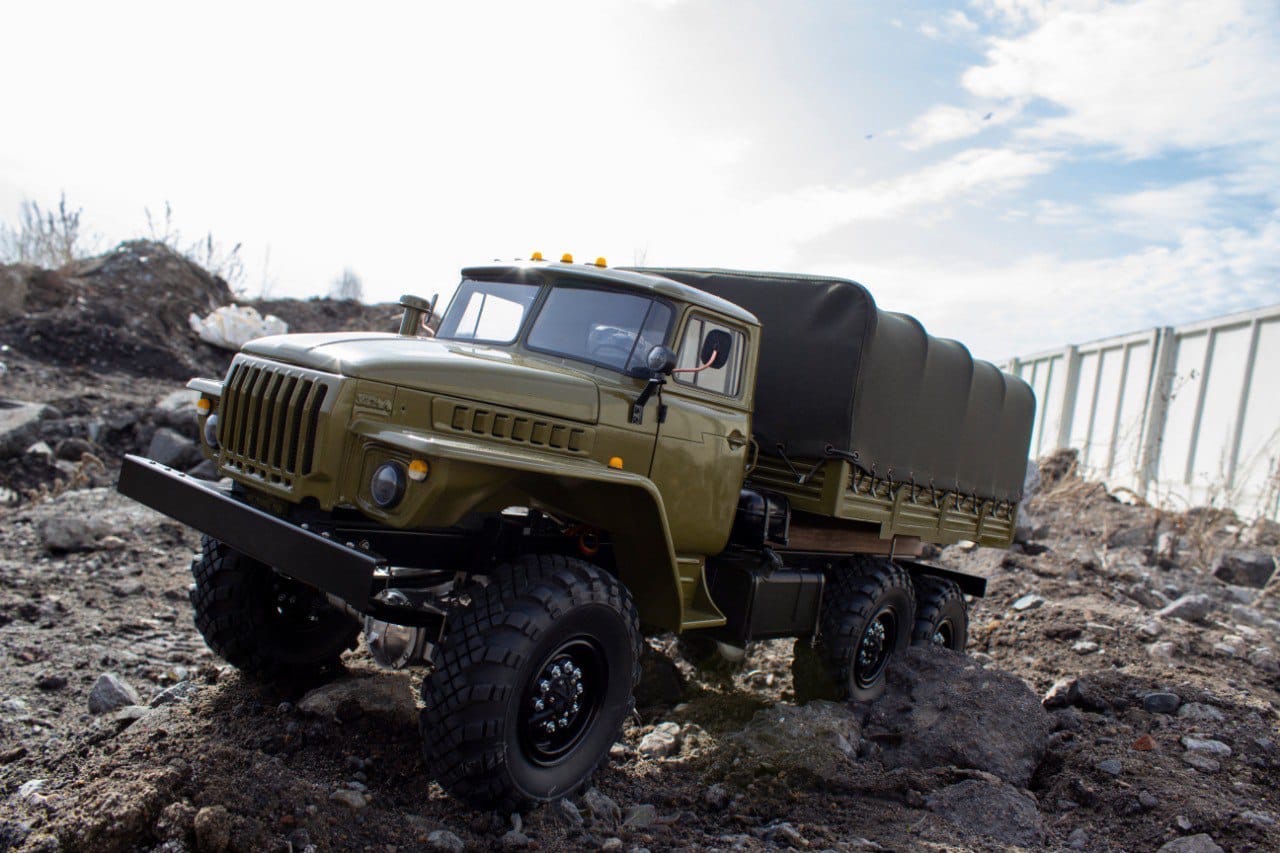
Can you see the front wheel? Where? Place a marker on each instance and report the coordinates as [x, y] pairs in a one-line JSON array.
[[263, 623], [532, 683], [867, 614]]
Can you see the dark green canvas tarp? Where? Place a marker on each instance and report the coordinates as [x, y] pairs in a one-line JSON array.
[[838, 373]]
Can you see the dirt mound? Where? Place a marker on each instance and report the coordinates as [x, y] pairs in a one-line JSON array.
[[122, 311], [332, 315]]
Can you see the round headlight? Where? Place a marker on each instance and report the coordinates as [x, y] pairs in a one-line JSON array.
[[211, 431], [387, 486]]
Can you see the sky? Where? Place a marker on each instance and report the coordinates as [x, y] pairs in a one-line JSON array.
[[1018, 174]]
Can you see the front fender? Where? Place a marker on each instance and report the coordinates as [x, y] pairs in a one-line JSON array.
[[627, 505]]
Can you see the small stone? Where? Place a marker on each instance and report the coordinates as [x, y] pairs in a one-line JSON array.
[[41, 449], [1263, 657], [1200, 713], [1201, 843], [717, 796], [1206, 745], [611, 844], [1257, 818], [1225, 649], [1202, 762], [1110, 766], [1148, 800], [1162, 651], [1150, 629], [663, 741], [445, 841], [602, 808], [179, 692], [28, 792], [513, 839], [1191, 608], [566, 813], [1085, 647], [111, 692], [786, 835], [213, 829], [353, 800], [1161, 703], [638, 817], [1145, 743], [1078, 839], [1028, 602], [51, 682]]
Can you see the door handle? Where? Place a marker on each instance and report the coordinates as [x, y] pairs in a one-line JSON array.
[[736, 440]]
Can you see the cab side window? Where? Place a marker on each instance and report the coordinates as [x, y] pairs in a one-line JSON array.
[[710, 356]]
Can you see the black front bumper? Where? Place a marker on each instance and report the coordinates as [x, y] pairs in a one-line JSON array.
[[323, 563]]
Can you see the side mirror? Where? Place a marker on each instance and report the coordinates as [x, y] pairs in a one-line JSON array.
[[661, 360]]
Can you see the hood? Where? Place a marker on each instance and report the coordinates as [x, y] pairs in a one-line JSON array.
[[473, 372]]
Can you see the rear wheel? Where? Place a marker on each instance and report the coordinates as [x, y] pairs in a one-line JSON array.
[[867, 613], [263, 623], [532, 683], [942, 617]]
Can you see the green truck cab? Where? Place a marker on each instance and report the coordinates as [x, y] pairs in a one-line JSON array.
[[504, 494]]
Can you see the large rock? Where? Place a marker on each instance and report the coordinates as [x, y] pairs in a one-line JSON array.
[[943, 709], [384, 695], [178, 410], [1244, 567], [20, 425], [994, 809], [168, 447], [818, 740], [81, 520]]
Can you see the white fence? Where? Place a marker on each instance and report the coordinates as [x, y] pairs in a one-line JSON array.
[[1184, 416]]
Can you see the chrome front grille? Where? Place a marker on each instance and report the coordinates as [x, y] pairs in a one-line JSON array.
[[270, 414]]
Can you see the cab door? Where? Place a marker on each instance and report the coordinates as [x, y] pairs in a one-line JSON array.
[[700, 458]]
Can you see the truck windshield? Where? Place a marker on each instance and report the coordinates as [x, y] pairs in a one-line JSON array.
[[491, 312], [604, 327]]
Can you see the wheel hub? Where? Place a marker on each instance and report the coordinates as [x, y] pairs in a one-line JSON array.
[[558, 700], [875, 647], [562, 700]]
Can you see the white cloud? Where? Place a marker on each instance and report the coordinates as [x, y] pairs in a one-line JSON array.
[[1162, 212], [968, 177], [1143, 77], [1050, 300], [945, 123]]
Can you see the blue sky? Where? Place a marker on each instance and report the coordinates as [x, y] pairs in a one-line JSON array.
[[1128, 173]]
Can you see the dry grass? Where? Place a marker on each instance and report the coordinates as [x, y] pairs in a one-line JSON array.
[[46, 238]]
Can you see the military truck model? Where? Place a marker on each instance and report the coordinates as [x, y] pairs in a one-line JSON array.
[[577, 454]]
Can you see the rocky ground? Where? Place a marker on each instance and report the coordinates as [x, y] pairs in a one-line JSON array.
[[1120, 693]]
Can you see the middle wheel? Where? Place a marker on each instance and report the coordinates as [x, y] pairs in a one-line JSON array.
[[867, 614]]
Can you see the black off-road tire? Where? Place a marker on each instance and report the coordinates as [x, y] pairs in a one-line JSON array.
[[860, 594], [482, 736], [241, 615], [942, 616]]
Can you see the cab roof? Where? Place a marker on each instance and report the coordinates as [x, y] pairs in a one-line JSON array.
[[656, 285]]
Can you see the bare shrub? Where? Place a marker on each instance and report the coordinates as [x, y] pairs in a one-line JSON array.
[[219, 259], [47, 238], [347, 286]]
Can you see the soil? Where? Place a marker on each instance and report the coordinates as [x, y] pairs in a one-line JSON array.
[[226, 763]]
